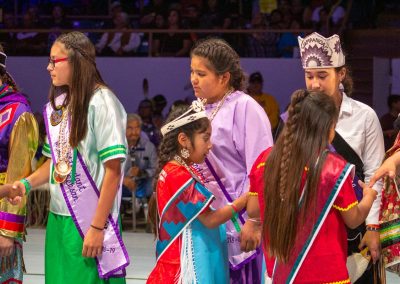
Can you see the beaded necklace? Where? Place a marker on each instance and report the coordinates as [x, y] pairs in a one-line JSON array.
[[188, 168], [220, 103]]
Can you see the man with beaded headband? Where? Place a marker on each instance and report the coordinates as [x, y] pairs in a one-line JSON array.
[[18, 143], [86, 147], [358, 138]]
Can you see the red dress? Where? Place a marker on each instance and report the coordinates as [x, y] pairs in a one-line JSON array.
[[168, 266], [326, 260]]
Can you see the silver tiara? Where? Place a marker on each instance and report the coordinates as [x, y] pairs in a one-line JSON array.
[[197, 107]]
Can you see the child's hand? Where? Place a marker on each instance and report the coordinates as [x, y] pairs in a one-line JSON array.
[[367, 190]]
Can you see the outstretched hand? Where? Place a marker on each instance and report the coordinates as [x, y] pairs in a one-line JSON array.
[[388, 168]]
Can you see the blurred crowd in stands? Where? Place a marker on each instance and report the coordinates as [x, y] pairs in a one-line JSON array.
[[281, 20]]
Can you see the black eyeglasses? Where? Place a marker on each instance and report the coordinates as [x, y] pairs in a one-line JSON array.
[[52, 62]]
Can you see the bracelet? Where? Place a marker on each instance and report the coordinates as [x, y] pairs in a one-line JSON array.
[[234, 207], [251, 193], [234, 220], [27, 185], [372, 228], [255, 220], [97, 228]]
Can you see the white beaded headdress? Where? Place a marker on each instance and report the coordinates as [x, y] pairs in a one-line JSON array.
[[199, 112], [319, 52]]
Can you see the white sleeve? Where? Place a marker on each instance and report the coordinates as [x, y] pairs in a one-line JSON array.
[[372, 157]]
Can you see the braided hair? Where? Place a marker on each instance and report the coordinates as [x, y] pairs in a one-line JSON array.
[[85, 78], [301, 145], [169, 147], [222, 58]]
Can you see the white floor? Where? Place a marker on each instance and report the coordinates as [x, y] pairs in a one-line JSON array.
[[140, 248]]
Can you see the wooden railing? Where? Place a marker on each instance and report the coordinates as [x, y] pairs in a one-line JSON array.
[[151, 32]]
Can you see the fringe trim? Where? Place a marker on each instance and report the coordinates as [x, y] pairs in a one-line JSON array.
[[187, 273]]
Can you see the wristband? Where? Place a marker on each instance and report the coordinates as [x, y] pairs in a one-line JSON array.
[[234, 220], [372, 228], [27, 185], [251, 193], [97, 228], [234, 207]]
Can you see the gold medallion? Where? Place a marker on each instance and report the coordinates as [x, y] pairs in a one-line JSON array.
[[56, 116], [62, 168], [58, 178]]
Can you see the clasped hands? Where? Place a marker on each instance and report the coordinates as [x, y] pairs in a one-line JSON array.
[[13, 192]]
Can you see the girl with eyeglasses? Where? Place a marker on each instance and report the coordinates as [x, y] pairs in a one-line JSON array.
[[86, 147]]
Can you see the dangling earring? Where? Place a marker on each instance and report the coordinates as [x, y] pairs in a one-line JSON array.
[[185, 153]]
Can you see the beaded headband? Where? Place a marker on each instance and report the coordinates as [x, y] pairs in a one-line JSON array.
[[318, 51], [3, 58], [199, 109]]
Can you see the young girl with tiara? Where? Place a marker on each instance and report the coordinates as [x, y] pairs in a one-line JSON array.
[[306, 196], [86, 147], [191, 240]]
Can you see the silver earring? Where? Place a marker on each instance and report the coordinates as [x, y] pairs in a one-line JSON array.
[[185, 153]]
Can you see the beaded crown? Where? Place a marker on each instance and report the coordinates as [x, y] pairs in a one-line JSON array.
[[319, 52]]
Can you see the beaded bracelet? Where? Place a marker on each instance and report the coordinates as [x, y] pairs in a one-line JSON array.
[[27, 185], [251, 193], [372, 228]]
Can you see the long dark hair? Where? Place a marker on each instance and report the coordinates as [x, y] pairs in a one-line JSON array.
[[6, 77], [301, 144], [169, 147], [85, 78], [222, 57]]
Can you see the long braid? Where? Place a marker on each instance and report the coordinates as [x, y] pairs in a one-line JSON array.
[[282, 155], [288, 141], [167, 149]]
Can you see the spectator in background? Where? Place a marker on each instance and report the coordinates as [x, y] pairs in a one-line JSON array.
[[172, 44], [119, 43], [149, 12], [159, 104], [145, 111], [8, 39], [140, 169], [211, 18], [30, 42], [266, 101], [57, 23], [387, 121], [263, 44]]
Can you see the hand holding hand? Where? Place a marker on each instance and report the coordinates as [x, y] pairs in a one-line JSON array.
[[388, 168]]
